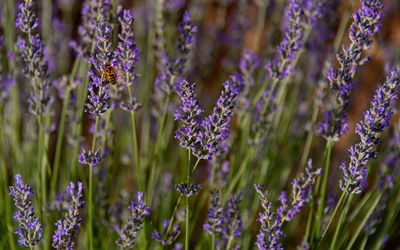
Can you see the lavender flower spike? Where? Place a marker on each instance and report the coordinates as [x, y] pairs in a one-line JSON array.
[[271, 222], [65, 233], [128, 233], [213, 225], [375, 120], [29, 229], [365, 24], [166, 238], [190, 115], [216, 125], [128, 54]]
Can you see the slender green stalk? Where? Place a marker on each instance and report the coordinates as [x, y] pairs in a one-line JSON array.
[[364, 242], [342, 197], [328, 150], [213, 242], [90, 202], [260, 24], [60, 134], [187, 204], [309, 139], [240, 172], [340, 222], [342, 27], [364, 220], [139, 175]]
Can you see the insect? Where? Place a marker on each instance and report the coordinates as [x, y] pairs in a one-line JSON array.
[[110, 73]]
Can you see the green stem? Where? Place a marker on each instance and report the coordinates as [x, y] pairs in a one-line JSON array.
[[60, 134], [365, 218], [260, 24], [342, 27], [90, 203], [341, 219], [364, 242], [187, 203], [213, 242], [332, 216], [139, 175], [310, 136], [240, 172], [328, 150]]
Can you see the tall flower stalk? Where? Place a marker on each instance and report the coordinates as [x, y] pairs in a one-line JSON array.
[[128, 54], [99, 103], [369, 130], [31, 55]]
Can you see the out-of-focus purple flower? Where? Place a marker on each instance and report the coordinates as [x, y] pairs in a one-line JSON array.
[[216, 126], [213, 225], [249, 62], [375, 120], [31, 54], [271, 222], [88, 157], [64, 235], [6, 82], [93, 13], [127, 235], [224, 223], [29, 229], [280, 67], [166, 238], [127, 53], [365, 24], [184, 189], [190, 115]]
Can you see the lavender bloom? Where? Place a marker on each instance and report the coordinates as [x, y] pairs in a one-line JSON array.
[[93, 12], [29, 229], [6, 82], [127, 54], [138, 209], [99, 98], [232, 222], [280, 67], [166, 238], [90, 158], [65, 233], [248, 63], [190, 115], [271, 222], [188, 191], [216, 125], [375, 120], [32, 57], [365, 24], [213, 225]]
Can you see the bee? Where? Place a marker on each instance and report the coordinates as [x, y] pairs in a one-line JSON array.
[[110, 73]]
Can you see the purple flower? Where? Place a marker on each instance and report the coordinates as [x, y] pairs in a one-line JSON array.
[[190, 115], [127, 54], [29, 229], [184, 189], [93, 12], [88, 157], [213, 225], [375, 120], [166, 238], [31, 54], [271, 222], [64, 235], [127, 235], [216, 126], [365, 24]]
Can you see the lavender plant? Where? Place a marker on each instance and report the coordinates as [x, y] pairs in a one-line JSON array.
[[188, 149]]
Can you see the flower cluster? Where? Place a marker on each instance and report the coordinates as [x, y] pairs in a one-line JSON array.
[[365, 24], [29, 229], [127, 235], [190, 115], [90, 158], [166, 238], [184, 189], [64, 235], [128, 54], [93, 13], [226, 221], [279, 68], [31, 54], [375, 120], [249, 62], [271, 222], [216, 125]]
